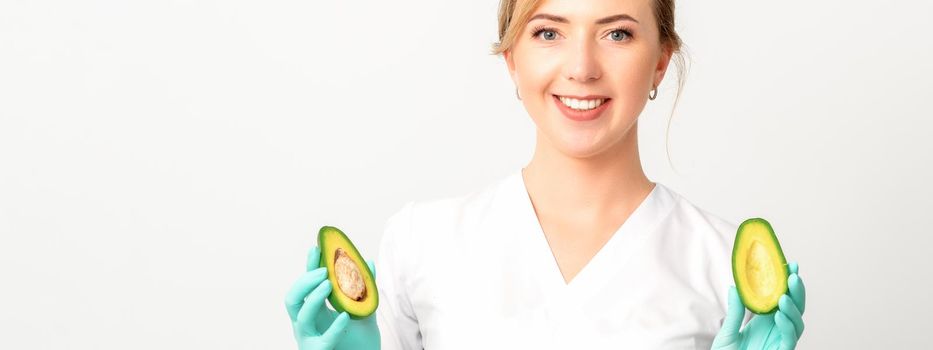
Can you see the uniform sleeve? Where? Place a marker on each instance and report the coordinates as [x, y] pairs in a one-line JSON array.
[[398, 324]]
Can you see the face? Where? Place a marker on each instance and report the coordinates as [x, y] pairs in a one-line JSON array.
[[617, 62]]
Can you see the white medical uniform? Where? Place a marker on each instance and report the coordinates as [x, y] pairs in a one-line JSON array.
[[476, 272]]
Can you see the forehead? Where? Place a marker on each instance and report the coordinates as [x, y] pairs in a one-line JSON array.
[[590, 10]]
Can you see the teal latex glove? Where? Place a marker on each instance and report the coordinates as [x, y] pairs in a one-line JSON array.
[[779, 330], [305, 305]]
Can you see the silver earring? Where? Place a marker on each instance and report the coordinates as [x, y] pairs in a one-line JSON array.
[[517, 95], [653, 94]]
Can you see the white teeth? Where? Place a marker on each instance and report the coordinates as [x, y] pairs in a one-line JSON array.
[[581, 104]]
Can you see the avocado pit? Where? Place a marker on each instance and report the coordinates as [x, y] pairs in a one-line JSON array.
[[349, 279]]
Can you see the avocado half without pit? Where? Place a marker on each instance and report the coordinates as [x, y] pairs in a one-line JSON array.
[[354, 288], [758, 266]]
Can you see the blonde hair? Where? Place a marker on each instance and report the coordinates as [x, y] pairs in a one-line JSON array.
[[514, 15]]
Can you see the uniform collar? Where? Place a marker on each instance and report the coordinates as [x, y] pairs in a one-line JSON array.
[[513, 201]]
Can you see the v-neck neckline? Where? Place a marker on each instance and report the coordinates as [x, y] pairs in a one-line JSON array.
[[618, 246]]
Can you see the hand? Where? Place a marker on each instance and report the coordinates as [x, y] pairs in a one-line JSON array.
[[305, 305], [779, 330]]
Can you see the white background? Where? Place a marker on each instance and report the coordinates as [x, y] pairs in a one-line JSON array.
[[165, 165]]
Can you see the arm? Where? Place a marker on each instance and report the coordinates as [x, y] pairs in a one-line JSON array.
[[398, 324]]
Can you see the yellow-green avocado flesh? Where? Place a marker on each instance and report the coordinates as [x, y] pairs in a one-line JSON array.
[[758, 266], [354, 288]]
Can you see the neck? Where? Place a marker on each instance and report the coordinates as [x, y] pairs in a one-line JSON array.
[[590, 188]]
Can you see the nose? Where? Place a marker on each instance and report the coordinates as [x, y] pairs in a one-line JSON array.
[[582, 63]]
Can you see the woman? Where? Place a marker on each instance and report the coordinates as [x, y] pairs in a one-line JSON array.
[[579, 247]]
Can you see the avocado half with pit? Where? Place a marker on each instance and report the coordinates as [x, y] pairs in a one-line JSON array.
[[354, 288], [758, 266]]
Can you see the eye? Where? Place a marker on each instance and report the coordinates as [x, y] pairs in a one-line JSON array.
[[620, 34], [549, 33]]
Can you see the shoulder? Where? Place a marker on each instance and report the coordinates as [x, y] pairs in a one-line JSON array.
[[447, 214], [706, 239], [699, 222]]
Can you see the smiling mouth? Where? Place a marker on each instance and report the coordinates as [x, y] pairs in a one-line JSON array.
[[582, 104]]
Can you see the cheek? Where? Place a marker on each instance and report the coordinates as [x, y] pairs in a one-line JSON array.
[[630, 74], [537, 72], [631, 80]]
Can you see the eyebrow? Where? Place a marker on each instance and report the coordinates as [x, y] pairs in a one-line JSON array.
[[610, 19]]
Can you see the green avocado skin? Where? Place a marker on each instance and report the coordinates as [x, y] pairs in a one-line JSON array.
[[334, 301], [742, 288]]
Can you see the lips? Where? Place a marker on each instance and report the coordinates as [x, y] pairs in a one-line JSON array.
[[582, 115]]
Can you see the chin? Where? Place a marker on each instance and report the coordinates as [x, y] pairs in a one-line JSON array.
[[579, 144], [585, 143]]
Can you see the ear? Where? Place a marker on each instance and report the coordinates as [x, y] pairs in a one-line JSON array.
[[510, 63], [661, 68]]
